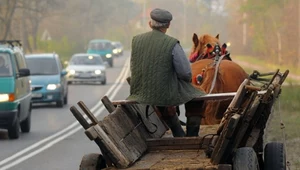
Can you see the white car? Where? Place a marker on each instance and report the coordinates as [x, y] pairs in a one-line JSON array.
[[118, 48], [86, 68]]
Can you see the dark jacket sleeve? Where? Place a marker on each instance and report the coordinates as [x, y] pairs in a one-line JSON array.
[[181, 64]]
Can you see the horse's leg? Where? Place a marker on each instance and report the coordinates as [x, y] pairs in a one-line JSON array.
[[193, 115], [171, 118]]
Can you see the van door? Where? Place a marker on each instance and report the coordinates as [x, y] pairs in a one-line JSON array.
[[23, 92]]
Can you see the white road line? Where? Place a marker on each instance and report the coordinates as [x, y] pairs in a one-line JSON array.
[[122, 76]]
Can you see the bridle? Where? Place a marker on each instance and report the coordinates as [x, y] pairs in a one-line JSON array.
[[212, 52], [217, 54]]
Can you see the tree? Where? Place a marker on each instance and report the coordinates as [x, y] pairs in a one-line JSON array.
[[7, 11]]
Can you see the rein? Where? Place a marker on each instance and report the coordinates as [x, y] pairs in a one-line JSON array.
[[218, 55], [217, 64]]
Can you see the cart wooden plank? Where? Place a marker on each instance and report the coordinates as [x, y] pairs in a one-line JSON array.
[[180, 143], [125, 130], [216, 96], [122, 131], [173, 159]]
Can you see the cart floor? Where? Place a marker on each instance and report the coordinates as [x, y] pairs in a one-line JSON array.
[[176, 159]]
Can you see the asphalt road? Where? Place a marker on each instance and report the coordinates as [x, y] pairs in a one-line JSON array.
[[56, 140]]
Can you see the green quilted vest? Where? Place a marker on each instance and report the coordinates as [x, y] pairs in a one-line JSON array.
[[153, 78]]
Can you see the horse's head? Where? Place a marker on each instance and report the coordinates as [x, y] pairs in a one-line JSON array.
[[202, 46]]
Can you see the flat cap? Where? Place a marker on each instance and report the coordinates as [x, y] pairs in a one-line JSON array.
[[161, 15]]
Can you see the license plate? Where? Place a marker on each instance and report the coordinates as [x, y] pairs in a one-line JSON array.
[[49, 97], [37, 95], [85, 75]]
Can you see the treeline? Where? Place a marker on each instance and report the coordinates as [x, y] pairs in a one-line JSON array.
[[270, 27], [266, 29], [65, 26]]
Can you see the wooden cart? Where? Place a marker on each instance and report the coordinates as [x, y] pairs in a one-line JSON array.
[[133, 136]]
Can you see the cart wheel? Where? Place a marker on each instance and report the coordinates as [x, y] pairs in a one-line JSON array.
[[274, 156], [245, 159], [92, 161]]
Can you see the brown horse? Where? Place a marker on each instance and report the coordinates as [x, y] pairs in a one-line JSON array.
[[227, 77]]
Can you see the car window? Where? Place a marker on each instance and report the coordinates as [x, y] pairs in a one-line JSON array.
[[42, 66], [21, 63], [5, 65], [60, 66], [118, 45], [86, 60], [100, 46]]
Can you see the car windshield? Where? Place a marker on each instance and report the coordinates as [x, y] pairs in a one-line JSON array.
[[5, 65], [100, 46], [86, 60], [42, 66], [118, 45]]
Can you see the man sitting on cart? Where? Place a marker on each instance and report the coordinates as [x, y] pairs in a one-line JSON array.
[[161, 74]]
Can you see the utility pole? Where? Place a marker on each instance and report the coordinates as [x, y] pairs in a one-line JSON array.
[[184, 21], [244, 27], [144, 14], [298, 33]]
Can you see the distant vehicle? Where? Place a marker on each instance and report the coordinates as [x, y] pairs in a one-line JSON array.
[[86, 68], [102, 47], [118, 48], [48, 79], [15, 94]]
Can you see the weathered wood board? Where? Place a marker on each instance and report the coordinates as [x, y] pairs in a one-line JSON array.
[[173, 159], [128, 127]]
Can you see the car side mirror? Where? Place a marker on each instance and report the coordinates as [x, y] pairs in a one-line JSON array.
[[23, 72], [63, 72]]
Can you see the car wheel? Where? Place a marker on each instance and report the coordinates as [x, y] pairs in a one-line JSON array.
[[14, 130], [245, 159], [111, 64], [92, 161], [25, 124], [103, 82], [274, 156], [66, 98], [60, 103]]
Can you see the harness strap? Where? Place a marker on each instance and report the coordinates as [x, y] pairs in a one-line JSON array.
[[216, 73]]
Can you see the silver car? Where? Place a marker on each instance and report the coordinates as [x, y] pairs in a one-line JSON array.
[[86, 68]]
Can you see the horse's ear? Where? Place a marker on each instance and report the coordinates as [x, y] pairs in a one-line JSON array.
[[195, 39], [217, 37]]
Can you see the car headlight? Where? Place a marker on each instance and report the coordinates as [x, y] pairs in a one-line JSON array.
[[72, 72], [7, 97], [108, 55], [115, 51], [53, 86], [97, 71]]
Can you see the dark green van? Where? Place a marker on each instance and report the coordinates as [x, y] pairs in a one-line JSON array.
[[15, 93], [104, 48]]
